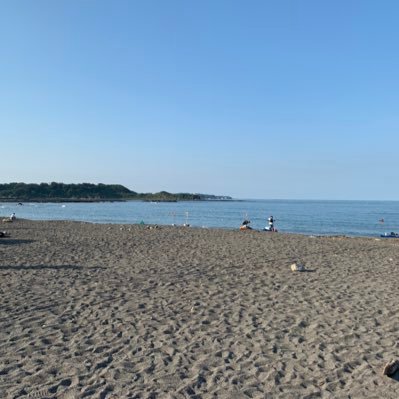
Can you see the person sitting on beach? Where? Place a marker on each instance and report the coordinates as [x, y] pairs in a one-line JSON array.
[[245, 225], [10, 219]]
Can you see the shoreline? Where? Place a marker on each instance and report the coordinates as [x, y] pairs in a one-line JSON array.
[[176, 226], [296, 217]]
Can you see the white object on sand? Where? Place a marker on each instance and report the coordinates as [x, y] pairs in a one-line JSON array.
[[297, 267]]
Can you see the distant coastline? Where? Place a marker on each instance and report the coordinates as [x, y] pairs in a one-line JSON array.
[[88, 192]]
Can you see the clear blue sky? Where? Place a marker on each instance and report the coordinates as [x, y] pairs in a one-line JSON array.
[[254, 99]]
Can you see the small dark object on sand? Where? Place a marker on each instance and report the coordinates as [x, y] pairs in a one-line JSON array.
[[391, 368], [4, 234]]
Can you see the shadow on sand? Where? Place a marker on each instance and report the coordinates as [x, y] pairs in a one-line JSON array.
[[10, 241], [51, 267], [395, 376]]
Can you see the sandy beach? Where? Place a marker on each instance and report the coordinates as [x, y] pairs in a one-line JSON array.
[[125, 311]]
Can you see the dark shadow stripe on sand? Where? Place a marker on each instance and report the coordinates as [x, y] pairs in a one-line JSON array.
[[44, 267], [8, 241]]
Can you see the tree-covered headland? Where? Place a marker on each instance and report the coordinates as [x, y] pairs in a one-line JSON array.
[[89, 192]]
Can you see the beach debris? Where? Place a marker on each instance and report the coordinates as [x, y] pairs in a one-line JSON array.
[[152, 227], [186, 224], [391, 368], [297, 267], [4, 234]]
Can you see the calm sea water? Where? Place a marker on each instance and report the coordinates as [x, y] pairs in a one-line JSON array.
[[352, 218]]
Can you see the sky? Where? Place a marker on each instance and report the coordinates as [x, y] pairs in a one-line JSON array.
[[252, 99]]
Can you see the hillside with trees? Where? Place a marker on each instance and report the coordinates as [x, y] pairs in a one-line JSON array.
[[88, 192]]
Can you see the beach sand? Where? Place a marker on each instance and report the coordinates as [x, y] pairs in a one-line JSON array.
[[124, 311]]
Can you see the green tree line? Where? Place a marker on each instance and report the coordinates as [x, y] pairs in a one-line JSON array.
[[87, 192]]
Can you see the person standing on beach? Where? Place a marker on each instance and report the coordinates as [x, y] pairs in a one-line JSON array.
[[271, 223], [270, 227]]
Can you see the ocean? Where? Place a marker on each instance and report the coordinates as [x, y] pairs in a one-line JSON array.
[[310, 217]]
